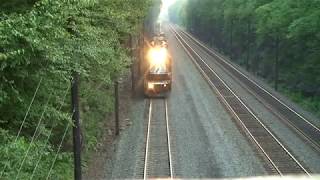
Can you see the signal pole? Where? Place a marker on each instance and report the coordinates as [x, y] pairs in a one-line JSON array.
[[71, 28], [76, 126], [116, 106]]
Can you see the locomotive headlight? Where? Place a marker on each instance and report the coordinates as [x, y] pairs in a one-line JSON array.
[[158, 56], [150, 85]]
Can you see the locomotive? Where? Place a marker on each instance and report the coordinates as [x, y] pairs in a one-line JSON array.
[[157, 78]]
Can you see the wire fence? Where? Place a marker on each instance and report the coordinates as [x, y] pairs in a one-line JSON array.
[[49, 135], [37, 133]]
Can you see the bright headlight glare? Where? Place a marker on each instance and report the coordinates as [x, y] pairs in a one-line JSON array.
[[158, 56], [150, 85]]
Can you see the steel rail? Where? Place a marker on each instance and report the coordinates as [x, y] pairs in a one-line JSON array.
[[148, 151], [235, 114], [303, 133], [313, 135], [147, 143], [168, 140]]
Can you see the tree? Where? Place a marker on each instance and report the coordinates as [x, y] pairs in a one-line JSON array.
[[278, 36]]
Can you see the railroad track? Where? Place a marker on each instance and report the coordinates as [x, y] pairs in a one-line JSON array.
[[278, 156], [306, 129], [158, 161]]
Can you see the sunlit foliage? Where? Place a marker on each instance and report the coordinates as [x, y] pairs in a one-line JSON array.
[[276, 39], [37, 46]]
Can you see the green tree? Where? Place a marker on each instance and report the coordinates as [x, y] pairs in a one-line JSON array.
[[277, 36], [37, 50]]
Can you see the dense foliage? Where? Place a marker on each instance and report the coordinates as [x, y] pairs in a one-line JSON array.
[[41, 43], [278, 40], [150, 22]]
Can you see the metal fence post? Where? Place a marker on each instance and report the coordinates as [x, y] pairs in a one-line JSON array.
[[76, 127], [116, 106]]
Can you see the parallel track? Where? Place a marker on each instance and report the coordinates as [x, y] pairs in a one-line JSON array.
[[288, 115], [158, 161], [276, 153]]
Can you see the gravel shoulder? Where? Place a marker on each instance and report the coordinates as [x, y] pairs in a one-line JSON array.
[[127, 161], [100, 159], [206, 142], [298, 146], [311, 117]]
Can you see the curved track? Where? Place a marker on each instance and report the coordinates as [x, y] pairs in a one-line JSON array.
[[277, 154]]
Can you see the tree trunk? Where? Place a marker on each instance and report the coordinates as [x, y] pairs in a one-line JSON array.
[[231, 38], [248, 43], [276, 64]]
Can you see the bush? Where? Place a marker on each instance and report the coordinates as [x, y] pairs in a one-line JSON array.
[[41, 45]]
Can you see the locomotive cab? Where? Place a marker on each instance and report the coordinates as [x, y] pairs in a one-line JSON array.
[[158, 78]]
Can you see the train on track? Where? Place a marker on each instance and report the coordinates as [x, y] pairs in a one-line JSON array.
[[157, 63]]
